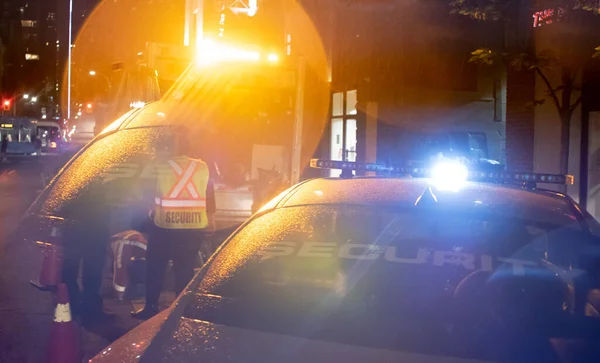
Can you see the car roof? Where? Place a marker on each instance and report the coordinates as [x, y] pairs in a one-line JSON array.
[[534, 204]]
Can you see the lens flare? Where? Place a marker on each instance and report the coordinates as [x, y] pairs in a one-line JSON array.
[[449, 175]]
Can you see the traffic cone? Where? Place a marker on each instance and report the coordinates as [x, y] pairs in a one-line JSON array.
[[64, 347], [50, 275]]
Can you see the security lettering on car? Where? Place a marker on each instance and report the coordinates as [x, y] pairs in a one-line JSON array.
[[369, 252]]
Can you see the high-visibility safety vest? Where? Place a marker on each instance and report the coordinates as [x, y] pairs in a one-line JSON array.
[[180, 202]]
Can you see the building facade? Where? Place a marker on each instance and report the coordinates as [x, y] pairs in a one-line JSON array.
[[400, 72], [31, 62]]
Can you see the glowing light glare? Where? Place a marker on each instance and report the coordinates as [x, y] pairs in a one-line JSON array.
[[26, 96], [449, 175], [89, 105], [92, 73], [7, 103], [211, 52], [273, 58], [33, 99], [137, 104]]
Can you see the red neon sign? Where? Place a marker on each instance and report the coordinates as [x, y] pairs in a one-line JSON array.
[[548, 16]]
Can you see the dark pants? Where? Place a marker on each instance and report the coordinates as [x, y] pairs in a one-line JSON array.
[[179, 245], [91, 254]]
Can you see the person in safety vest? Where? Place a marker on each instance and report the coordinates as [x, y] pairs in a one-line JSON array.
[[182, 216]]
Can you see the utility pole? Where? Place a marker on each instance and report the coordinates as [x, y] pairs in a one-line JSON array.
[[298, 121], [70, 60], [299, 63]]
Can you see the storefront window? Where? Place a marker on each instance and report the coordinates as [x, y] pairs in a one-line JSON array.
[[343, 127], [351, 100], [338, 104], [351, 140], [337, 134]]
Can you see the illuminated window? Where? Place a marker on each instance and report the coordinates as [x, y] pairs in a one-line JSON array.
[[29, 56], [343, 127], [351, 101], [338, 102], [28, 23]]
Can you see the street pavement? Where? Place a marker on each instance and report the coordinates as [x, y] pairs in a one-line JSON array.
[[25, 313]]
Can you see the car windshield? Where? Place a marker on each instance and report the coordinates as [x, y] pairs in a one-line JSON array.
[[97, 173], [376, 277]]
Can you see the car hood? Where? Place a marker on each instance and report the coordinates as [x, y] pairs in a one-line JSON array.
[[201, 341]]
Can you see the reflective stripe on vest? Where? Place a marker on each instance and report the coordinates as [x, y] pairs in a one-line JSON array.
[[181, 198], [179, 203]]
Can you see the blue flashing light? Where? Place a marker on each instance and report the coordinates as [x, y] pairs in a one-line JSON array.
[[447, 171], [449, 175]]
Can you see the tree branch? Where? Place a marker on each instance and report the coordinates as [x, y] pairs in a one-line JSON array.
[[576, 104], [550, 88]]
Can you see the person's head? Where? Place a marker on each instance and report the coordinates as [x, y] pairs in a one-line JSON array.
[[174, 143], [183, 146]]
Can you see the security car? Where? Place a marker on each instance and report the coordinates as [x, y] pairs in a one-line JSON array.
[[442, 264]]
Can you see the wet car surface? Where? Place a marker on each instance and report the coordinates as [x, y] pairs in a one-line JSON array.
[[354, 269]]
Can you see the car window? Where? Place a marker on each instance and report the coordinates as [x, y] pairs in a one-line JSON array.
[[111, 183], [107, 172], [377, 277], [116, 124], [478, 144]]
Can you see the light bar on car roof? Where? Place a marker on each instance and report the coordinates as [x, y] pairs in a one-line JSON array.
[[348, 165], [422, 172]]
